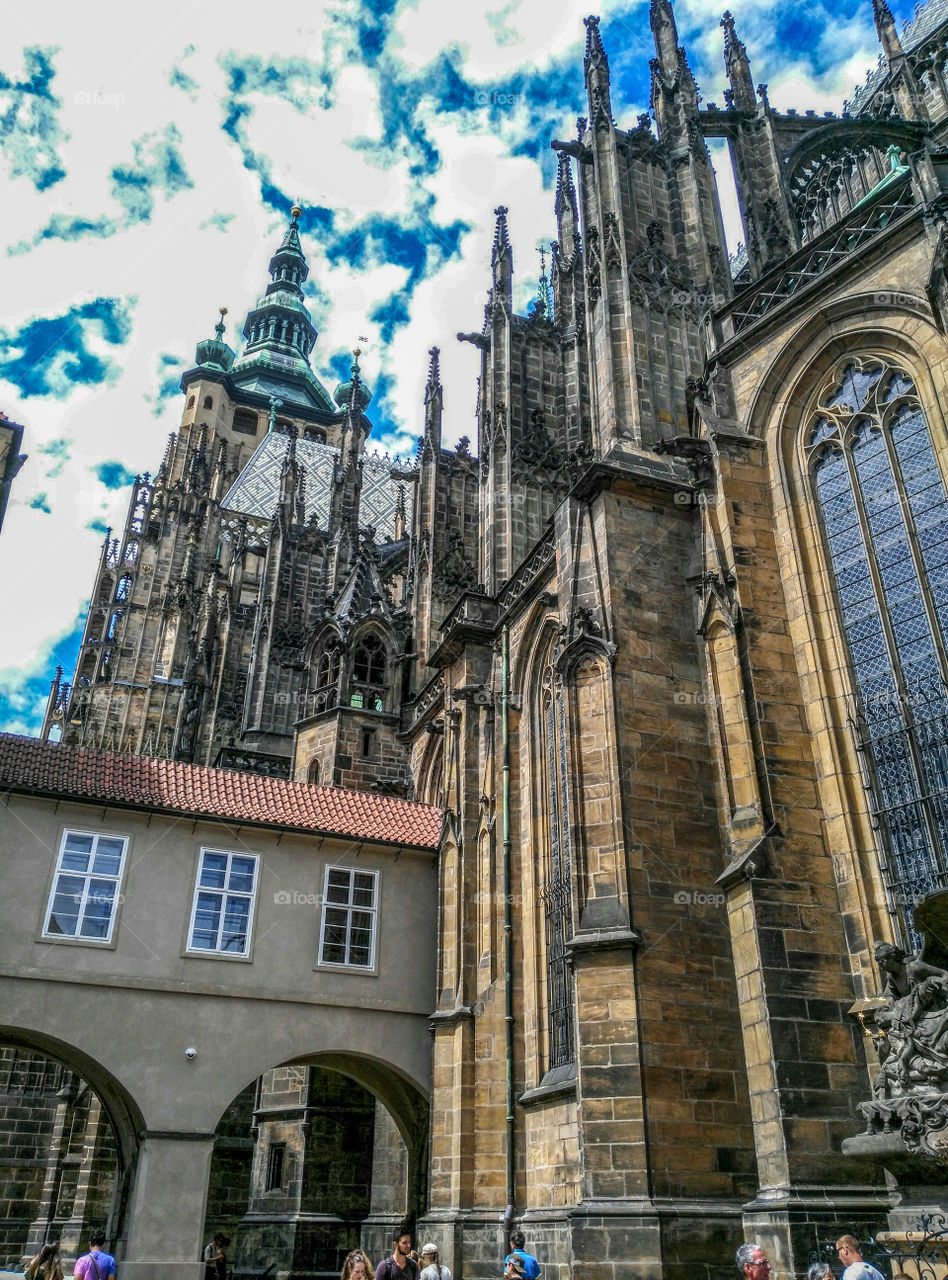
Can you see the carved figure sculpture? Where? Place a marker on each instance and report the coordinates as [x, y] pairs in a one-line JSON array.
[[910, 1028]]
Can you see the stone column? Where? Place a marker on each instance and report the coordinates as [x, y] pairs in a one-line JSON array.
[[166, 1210]]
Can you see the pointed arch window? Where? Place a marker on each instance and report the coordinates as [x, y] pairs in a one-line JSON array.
[[326, 678], [368, 684], [123, 590], [884, 510], [556, 890]]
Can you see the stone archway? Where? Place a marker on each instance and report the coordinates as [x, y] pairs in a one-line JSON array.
[[319, 1155], [86, 1129]]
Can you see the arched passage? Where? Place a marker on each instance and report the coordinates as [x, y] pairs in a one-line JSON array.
[[317, 1156], [83, 1129]]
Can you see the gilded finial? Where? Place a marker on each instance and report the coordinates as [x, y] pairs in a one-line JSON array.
[[295, 211], [219, 327]]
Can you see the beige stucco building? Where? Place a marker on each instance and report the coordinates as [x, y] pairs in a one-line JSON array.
[[173, 934]]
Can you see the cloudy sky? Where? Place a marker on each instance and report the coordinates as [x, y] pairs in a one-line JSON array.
[[148, 156]]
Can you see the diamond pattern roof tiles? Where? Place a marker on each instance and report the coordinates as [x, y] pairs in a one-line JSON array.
[[256, 491]]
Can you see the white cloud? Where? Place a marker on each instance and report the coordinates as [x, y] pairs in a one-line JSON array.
[[180, 273]]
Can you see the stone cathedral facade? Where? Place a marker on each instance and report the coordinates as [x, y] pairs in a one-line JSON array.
[[669, 646]]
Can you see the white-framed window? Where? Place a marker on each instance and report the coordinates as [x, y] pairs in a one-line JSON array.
[[222, 916], [85, 888], [348, 927]]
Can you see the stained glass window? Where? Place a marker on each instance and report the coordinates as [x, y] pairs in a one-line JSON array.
[[885, 517]]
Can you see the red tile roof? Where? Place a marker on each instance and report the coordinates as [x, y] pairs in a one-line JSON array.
[[43, 768]]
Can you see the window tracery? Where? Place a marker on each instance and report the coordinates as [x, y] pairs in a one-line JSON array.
[[368, 685], [326, 679], [556, 890], [884, 510]]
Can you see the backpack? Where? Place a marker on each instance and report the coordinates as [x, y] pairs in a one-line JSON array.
[[392, 1271]]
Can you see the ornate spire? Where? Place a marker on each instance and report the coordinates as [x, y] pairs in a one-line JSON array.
[[737, 67], [567, 208], [596, 71], [354, 394], [886, 28], [433, 385], [542, 305], [595, 53], [501, 263], [565, 190], [280, 324], [661, 19], [431, 439], [501, 239]]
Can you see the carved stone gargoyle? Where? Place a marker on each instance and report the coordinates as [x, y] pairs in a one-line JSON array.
[[909, 1024]]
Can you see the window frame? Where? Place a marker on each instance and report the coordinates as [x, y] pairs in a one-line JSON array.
[[79, 939], [832, 427], [271, 1187], [217, 954], [325, 905]]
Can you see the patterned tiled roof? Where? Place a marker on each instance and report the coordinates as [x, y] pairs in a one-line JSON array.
[[256, 491], [928, 18], [30, 766]]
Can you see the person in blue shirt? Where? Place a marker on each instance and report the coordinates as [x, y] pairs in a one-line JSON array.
[[96, 1264], [518, 1253]]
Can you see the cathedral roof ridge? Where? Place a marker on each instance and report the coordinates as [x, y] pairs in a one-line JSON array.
[[30, 766]]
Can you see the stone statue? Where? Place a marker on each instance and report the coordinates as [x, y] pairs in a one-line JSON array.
[[909, 1024]]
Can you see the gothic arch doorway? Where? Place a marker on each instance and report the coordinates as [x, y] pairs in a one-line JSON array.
[[318, 1156]]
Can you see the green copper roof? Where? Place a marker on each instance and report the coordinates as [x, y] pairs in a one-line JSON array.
[[214, 353], [280, 334]]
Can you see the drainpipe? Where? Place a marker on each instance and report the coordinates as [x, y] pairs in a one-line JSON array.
[[508, 931]]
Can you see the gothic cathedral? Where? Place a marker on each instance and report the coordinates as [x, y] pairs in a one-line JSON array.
[[670, 649]]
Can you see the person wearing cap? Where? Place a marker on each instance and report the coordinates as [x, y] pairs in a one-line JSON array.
[[513, 1269], [529, 1267], [434, 1268]]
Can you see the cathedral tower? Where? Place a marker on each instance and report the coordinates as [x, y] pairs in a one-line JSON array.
[[256, 581]]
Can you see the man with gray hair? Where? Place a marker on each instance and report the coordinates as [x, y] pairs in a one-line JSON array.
[[752, 1262]]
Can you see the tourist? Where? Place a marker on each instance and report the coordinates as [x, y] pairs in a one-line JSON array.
[[513, 1268], [819, 1271], [856, 1268], [215, 1258], [357, 1266], [45, 1265], [433, 1267], [96, 1264], [752, 1262], [518, 1249], [399, 1266]]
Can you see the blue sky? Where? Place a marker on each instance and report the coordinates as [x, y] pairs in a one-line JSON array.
[[147, 171]]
